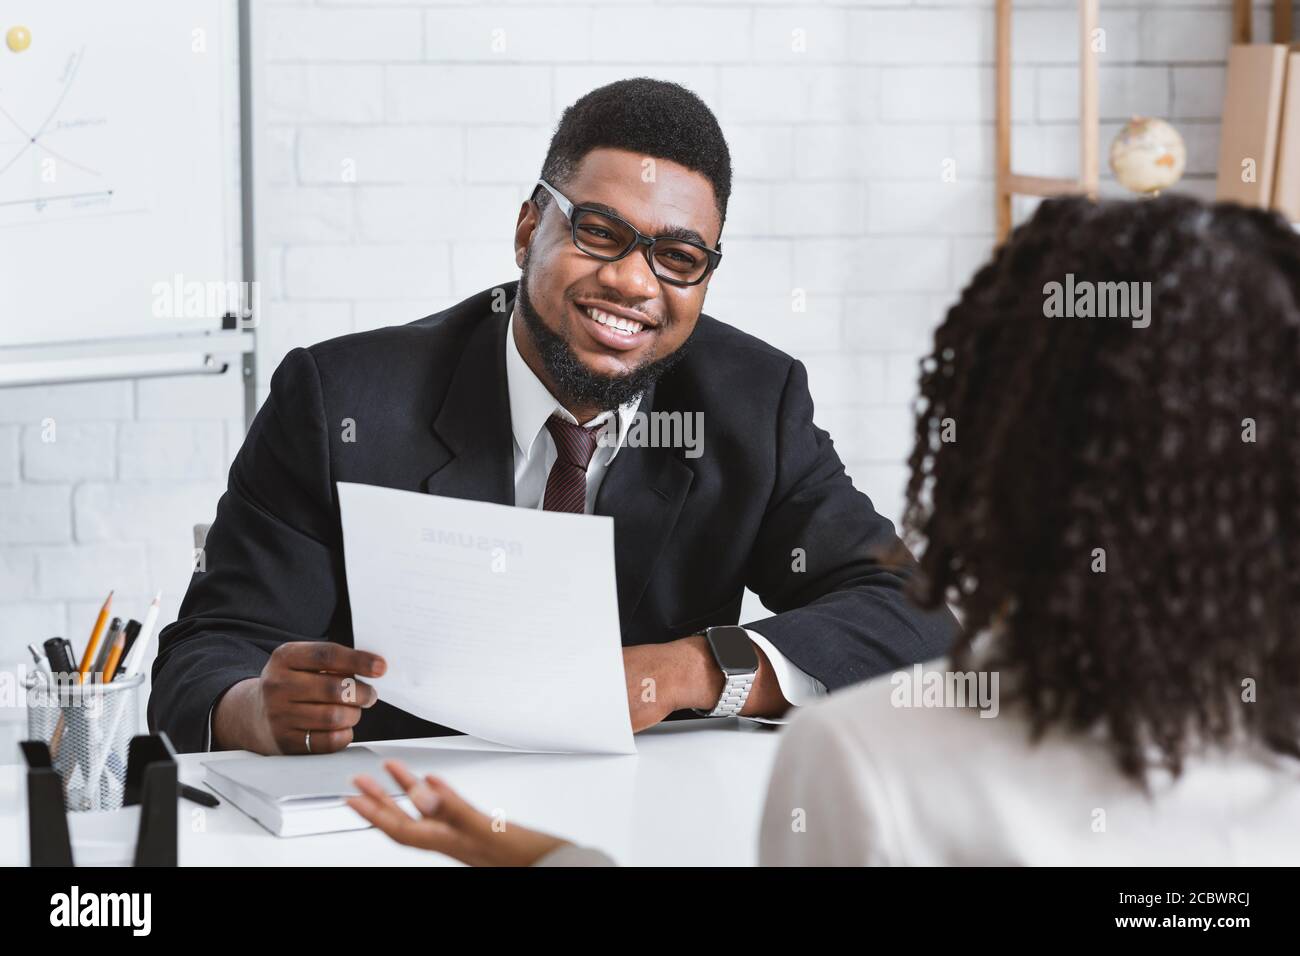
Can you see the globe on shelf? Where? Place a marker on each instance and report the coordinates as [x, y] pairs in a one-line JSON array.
[[1147, 155]]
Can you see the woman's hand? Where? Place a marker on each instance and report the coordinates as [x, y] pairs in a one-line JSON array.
[[447, 823]]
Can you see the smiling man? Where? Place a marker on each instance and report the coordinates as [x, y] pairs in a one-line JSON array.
[[530, 394]]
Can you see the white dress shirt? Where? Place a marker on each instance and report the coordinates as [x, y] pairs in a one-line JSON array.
[[531, 404], [859, 780]]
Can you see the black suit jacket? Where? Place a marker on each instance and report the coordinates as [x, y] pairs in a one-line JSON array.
[[429, 411]]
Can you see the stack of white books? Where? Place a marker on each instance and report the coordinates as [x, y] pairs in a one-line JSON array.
[[301, 795]]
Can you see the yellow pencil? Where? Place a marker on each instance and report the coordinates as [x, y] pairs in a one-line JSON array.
[[88, 658], [114, 656]]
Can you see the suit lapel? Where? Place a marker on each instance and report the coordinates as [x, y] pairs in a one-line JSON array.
[[476, 456], [643, 491]]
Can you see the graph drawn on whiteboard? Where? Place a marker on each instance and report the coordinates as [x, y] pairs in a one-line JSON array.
[[55, 150], [118, 166]]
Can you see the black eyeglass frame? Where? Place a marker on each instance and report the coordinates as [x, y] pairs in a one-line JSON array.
[[571, 209]]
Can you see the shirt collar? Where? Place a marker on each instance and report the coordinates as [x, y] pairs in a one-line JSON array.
[[531, 403]]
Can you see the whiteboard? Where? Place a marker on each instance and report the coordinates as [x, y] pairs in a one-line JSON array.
[[119, 169]]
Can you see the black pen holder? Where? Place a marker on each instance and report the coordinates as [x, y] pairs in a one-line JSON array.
[[150, 782]]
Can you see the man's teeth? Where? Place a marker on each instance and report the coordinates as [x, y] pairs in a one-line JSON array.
[[614, 321]]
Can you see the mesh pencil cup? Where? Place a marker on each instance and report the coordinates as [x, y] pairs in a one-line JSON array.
[[88, 728]]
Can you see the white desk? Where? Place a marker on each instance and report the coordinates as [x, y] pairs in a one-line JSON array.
[[692, 795]]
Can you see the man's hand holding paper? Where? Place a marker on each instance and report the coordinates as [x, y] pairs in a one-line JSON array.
[[307, 700], [500, 622]]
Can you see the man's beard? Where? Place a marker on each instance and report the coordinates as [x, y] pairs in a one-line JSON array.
[[574, 382]]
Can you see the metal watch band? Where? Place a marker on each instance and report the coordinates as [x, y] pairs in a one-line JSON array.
[[734, 694]]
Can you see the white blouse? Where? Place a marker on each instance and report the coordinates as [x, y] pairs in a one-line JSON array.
[[860, 779]]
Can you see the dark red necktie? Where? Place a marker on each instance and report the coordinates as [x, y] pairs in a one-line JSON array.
[[566, 485]]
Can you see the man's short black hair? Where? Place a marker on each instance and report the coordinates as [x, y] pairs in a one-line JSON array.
[[641, 115]]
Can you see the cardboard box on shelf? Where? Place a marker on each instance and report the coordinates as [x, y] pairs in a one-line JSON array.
[[1252, 113], [1286, 190]]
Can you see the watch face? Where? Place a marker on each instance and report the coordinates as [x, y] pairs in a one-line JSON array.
[[733, 649]]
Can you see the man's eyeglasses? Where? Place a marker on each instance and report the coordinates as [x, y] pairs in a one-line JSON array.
[[602, 235]]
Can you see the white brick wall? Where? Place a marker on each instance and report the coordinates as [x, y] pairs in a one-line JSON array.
[[379, 123]]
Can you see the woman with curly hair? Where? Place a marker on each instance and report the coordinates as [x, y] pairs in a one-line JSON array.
[[1106, 488], [1111, 504]]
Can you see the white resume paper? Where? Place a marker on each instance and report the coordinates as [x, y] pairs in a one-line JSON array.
[[496, 621]]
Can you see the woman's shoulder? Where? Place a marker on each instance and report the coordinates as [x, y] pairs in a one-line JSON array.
[[930, 702]]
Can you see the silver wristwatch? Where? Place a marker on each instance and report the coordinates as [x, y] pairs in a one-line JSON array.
[[738, 660]]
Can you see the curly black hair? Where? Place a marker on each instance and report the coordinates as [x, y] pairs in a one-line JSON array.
[[1114, 510], [641, 115]]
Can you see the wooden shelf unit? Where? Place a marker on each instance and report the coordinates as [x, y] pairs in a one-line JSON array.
[[1241, 26], [1011, 183]]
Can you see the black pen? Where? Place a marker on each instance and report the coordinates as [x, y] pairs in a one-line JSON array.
[[197, 795], [58, 651], [132, 632]]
